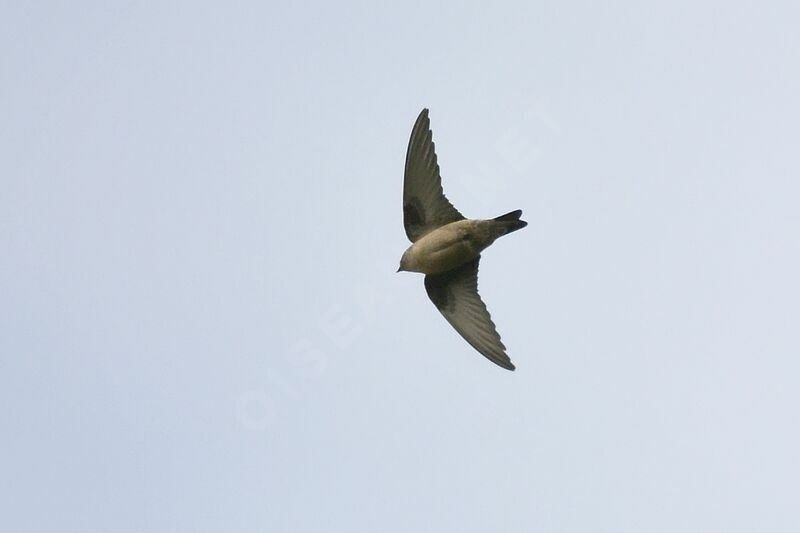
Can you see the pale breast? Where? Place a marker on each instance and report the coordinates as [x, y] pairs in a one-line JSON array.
[[445, 248]]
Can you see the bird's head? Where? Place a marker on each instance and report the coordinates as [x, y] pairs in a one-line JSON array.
[[403, 263]]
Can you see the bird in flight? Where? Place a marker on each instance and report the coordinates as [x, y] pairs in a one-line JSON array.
[[446, 247]]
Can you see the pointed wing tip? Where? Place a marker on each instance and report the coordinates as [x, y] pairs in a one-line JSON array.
[[508, 365]]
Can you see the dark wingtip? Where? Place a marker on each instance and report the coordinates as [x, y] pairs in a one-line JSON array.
[[421, 126], [507, 364]]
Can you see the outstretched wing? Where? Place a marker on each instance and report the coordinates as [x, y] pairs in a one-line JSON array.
[[455, 294], [425, 206]]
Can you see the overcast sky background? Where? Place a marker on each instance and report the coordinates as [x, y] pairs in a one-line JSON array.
[[201, 327]]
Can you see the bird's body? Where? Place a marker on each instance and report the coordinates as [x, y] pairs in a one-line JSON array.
[[446, 246], [451, 246]]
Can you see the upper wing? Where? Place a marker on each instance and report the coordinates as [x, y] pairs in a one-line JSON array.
[[455, 294], [425, 206]]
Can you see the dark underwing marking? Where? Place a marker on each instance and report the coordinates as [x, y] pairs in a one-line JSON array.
[[438, 292], [412, 214], [439, 287]]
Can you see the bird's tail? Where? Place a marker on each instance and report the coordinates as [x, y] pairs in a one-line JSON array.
[[510, 222]]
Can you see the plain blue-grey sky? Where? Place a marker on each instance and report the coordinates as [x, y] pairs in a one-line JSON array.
[[202, 330]]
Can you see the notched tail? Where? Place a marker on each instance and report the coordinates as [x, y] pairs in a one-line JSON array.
[[510, 222], [513, 215]]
